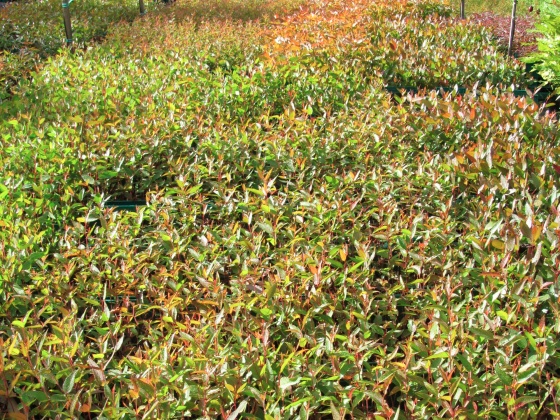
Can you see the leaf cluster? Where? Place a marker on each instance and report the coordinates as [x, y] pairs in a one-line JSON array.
[[546, 60], [311, 246]]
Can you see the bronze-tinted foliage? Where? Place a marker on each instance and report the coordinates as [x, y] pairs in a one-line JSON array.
[[311, 246]]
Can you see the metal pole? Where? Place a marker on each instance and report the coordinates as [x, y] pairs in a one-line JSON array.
[[142, 7], [512, 28], [67, 22], [462, 9]]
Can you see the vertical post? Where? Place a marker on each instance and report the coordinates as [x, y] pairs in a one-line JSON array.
[[512, 28], [142, 7], [462, 9], [67, 22]]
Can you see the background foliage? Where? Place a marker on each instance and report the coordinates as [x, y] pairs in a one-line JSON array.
[[547, 60], [311, 247], [30, 31]]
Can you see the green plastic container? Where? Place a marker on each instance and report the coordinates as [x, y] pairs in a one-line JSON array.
[[125, 205]]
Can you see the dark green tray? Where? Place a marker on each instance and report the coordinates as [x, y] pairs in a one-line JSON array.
[[125, 205]]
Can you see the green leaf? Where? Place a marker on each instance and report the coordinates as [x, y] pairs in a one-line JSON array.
[[335, 263], [496, 243], [270, 290], [3, 192], [482, 333], [195, 189], [526, 374], [464, 361], [502, 315], [431, 389], [440, 355], [504, 377], [31, 259], [107, 175], [358, 315], [266, 312], [356, 266], [68, 384], [298, 403], [58, 398], [88, 179], [265, 226], [258, 192], [29, 397], [285, 363], [531, 340], [286, 382], [522, 401], [334, 412], [240, 409]]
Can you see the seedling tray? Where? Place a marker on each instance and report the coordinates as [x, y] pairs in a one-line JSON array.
[[125, 205]]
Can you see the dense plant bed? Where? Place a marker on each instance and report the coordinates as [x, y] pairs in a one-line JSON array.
[[309, 246], [32, 30]]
